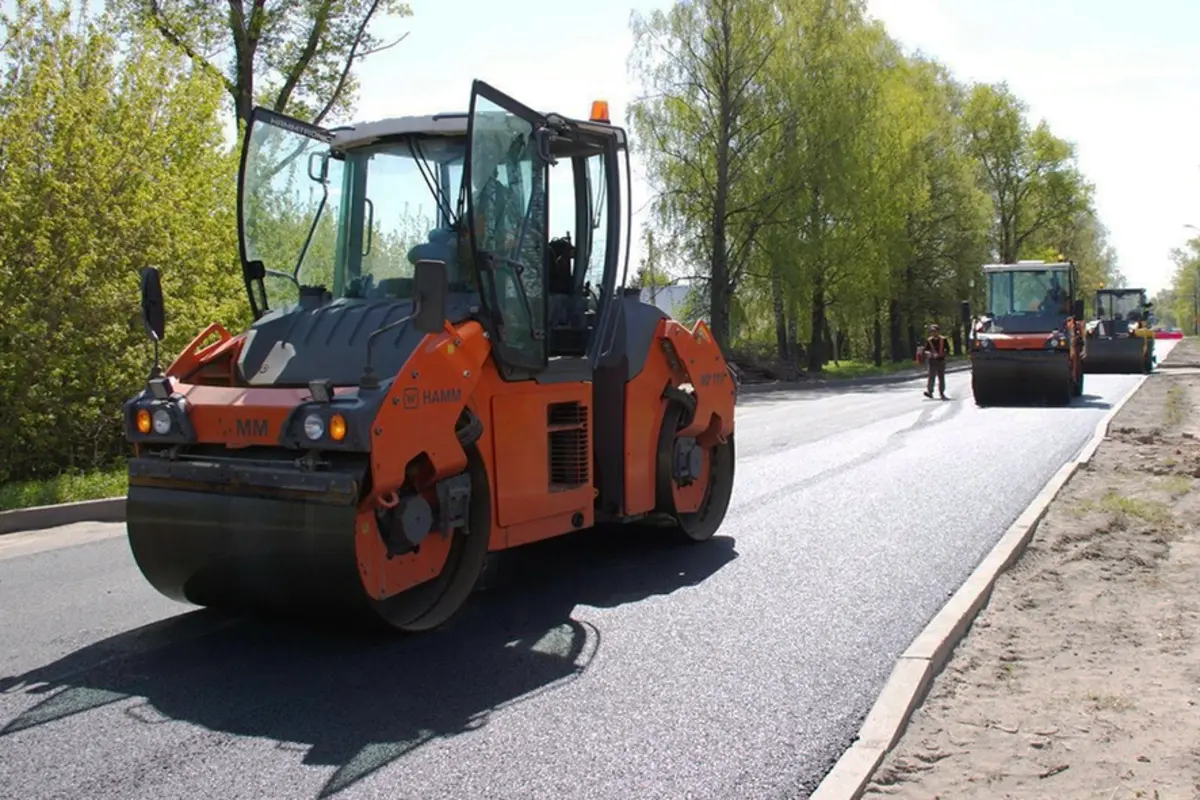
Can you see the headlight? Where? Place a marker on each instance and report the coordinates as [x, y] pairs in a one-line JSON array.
[[162, 421], [314, 427]]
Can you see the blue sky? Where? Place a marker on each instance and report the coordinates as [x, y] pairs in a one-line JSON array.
[[1122, 81]]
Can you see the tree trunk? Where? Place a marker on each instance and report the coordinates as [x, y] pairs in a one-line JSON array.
[[781, 322], [896, 332], [793, 337], [719, 297], [816, 341], [877, 336]]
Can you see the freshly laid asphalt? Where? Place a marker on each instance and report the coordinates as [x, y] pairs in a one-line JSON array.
[[603, 666]]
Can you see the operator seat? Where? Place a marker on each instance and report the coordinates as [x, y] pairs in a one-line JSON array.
[[441, 246], [568, 323]]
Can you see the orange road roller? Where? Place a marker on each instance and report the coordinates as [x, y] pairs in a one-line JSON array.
[[431, 375]]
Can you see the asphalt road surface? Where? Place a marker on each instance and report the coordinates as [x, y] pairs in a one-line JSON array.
[[599, 667]]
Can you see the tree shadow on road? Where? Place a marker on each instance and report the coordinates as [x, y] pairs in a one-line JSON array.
[[361, 702]]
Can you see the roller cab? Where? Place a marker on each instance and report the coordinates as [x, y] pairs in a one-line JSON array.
[[1029, 343], [1120, 338], [430, 375]]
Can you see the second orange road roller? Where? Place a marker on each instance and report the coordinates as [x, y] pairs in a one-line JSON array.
[[1029, 343], [430, 375]]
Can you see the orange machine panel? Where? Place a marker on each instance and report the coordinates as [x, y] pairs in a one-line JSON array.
[[198, 354], [423, 404], [542, 439], [385, 577], [696, 353], [418, 416], [1021, 341], [678, 356], [239, 417]]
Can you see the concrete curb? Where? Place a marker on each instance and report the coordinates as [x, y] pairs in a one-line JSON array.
[[110, 509], [799, 386], [924, 659]]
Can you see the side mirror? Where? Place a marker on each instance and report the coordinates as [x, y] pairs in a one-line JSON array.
[[153, 314], [1077, 310], [430, 286], [965, 311]]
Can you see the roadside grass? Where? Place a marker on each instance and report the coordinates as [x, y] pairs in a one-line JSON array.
[[1117, 504], [1176, 485], [66, 488], [1148, 510], [1174, 405]]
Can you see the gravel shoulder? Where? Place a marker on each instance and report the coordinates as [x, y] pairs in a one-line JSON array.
[[1081, 678]]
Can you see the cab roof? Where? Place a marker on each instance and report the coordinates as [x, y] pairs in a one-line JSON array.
[[453, 123], [1026, 266], [363, 133]]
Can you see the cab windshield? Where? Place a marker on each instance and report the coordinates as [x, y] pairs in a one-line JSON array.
[[1127, 306], [1024, 292], [354, 222]]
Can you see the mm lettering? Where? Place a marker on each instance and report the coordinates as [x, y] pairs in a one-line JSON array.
[[252, 428], [713, 378], [436, 396]]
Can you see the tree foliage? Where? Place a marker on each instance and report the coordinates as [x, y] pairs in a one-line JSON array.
[[295, 56], [1179, 306], [111, 159], [706, 64], [832, 193]]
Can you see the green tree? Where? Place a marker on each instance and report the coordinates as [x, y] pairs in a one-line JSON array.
[[1185, 287], [1082, 238], [111, 159], [1030, 173], [863, 188], [295, 56], [650, 274], [831, 81], [709, 137]]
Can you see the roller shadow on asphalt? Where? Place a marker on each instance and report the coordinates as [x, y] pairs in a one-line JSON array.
[[361, 702], [1087, 401]]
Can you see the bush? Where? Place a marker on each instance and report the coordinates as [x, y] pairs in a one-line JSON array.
[[112, 158]]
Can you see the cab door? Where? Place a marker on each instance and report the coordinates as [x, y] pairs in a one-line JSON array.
[[507, 219]]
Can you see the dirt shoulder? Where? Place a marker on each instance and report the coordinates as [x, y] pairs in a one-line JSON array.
[[1081, 678]]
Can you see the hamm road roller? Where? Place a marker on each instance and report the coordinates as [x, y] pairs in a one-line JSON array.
[[1120, 339], [431, 374], [1029, 343]]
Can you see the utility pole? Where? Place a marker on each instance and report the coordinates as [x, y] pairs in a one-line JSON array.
[[1195, 294]]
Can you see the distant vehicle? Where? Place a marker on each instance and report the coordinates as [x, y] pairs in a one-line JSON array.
[[1119, 338]]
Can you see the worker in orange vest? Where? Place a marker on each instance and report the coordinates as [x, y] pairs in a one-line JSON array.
[[934, 351]]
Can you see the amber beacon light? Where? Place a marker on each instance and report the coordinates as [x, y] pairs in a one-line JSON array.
[[599, 111]]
